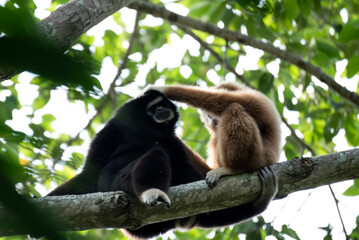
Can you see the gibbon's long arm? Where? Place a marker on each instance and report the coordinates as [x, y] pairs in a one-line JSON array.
[[196, 97], [212, 100]]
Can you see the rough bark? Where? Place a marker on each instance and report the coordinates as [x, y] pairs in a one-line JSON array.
[[115, 210]]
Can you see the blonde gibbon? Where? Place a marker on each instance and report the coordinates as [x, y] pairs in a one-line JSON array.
[[243, 123]]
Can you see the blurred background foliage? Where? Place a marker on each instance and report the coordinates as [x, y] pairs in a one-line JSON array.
[[36, 156]]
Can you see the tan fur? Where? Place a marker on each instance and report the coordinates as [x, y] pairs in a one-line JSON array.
[[245, 129]]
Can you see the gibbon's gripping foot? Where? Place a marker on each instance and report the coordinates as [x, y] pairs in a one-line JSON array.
[[214, 175], [153, 196], [269, 184]]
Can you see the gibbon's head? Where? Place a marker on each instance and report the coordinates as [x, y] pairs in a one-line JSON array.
[[151, 115]]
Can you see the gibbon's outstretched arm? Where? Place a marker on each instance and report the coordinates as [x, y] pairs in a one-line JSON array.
[[244, 126], [211, 100]]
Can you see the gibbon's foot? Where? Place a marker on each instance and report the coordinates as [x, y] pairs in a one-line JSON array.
[[269, 186], [153, 196], [214, 175]]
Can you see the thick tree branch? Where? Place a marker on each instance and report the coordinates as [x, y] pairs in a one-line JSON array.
[[115, 210], [229, 35], [70, 21]]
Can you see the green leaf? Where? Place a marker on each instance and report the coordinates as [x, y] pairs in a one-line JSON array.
[[265, 83], [47, 119], [349, 32], [320, 113], [199, 8], [42, 99], [6, 108], [290, 232], [305, 6], [351, 127], [332, 126], [291, 9], [24, 48], [353, 66], [328, 48], [353, 190]]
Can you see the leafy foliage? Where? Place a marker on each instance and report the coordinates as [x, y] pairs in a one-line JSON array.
[[35, 155]]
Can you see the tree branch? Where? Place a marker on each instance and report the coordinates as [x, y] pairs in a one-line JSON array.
[[115, 210], [229, 35], [70, 21]]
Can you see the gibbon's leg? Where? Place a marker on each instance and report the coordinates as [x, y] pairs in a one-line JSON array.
[[239, 145], [212, 154], [246, 211], [151, 177], [116, 176]]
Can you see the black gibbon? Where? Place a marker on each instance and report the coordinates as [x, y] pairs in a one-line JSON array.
[[243, 123], [138, 152]]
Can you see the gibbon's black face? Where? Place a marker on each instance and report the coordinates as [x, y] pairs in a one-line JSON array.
[[162, 110], [150, 114]]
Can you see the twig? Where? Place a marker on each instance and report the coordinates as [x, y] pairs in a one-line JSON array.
[[298, 139], [215, 55], [340, 215], [129, 49]]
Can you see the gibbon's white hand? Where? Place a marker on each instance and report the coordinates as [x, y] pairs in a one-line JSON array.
[[153, 196]]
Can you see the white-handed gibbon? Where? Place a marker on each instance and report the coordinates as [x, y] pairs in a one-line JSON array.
[[243, 123], [139, 153]]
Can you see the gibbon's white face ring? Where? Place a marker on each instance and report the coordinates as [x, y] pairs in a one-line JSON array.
[[155, 117], [170, 117]]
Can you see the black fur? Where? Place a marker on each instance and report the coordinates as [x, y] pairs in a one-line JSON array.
[[134, 153]]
